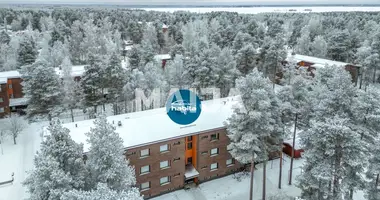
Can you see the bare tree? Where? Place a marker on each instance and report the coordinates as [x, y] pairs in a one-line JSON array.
[[15, 125], [2, 135]]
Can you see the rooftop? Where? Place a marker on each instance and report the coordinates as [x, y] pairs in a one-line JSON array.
[[18, 102], [318, 62], [162, 57], [76, 71], [10, 74], [3, 80], [153, 126]]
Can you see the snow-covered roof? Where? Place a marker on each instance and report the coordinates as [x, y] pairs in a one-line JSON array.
[[152, 126], [191, 172], [320, 61], [3, 80], [76, 71], [165, 26], [18, 102], [316, 66], [10, 74], [162, 57]]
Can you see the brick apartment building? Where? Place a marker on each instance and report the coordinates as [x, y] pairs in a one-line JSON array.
[[11, 96], [167, 156]]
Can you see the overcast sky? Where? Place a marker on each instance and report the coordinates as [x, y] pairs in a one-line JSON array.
[[192, 2]]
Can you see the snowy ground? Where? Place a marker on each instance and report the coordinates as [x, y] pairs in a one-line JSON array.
[[18, 159], [228, 188], [255, 10]]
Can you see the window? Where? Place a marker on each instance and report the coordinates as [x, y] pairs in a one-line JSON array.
[[164, 180], [164, 148], [144, 153], [214, 151], [190, 160], [215, 136], [1, 100], [11, 96], [176, 159], [1, 110], [10, 86], [189, 145], [230, 162], [145, 186], [214, 166], [145, 169], [189, 138], [164, 164], [204, 137]]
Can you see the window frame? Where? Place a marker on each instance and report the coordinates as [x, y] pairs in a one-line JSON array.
[[167, 182], [1, 100], [214, 154], [217, 166], [232, 162], [2, 110], [216, 137], [167, 148], [167, 166], [147, 188], [143, 156], [146, 172], [189, 144]]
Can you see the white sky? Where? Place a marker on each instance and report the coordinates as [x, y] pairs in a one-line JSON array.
[[194, 2]]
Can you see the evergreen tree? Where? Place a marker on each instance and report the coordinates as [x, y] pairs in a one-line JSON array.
[[41, 85], [93, 83], [303, 43], [338, 46], [27, 52], [253, 127], [115, 77], [177, 50], [106, 161], [4, 38], [227, 72], [134, 58], [59, 166], [135, 32], [103, 192], [319, 47], [333, 148], [246, 59], [241, 40], [75, 40], [55, 37], [71, 88], [175, 73]]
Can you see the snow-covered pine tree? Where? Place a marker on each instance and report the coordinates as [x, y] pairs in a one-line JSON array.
[[93, 83], [71, 88], [134, 58], [333, 148], [303, 42], [246, 59], [102, 192], [338, 45], [253, 128], [115, 77], [59, 166], [106, 160], [41, 85], [226, 72], [27, 52], [319, 47], [174, 73], [241, 39], [4, 38]]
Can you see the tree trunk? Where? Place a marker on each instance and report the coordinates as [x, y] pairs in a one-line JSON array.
[[377, 180], [280, 174], [374, 75], [251, 182], [264, 179], [72, 115], [293, 150], [361, 79], [14, 138]]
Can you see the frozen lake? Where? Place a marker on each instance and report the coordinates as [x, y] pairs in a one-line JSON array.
[[255, 10]]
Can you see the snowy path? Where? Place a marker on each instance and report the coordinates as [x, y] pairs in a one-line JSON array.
[[19, 159]]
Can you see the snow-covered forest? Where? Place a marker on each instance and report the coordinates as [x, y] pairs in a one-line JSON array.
[[119, 47]]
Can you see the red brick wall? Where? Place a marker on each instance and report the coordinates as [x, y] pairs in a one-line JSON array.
[[4, 95], [177, 167], [206, 159]]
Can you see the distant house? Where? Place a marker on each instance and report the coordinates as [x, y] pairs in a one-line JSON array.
[[163, 58], [287, 148], [312, 64]]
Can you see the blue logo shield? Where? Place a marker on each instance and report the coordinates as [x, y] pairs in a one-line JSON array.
[[183, 107]]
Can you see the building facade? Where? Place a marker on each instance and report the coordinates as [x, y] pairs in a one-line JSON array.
[[11, 96], [170, 165]]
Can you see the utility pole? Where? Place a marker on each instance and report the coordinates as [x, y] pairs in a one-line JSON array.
[[293, 150]]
